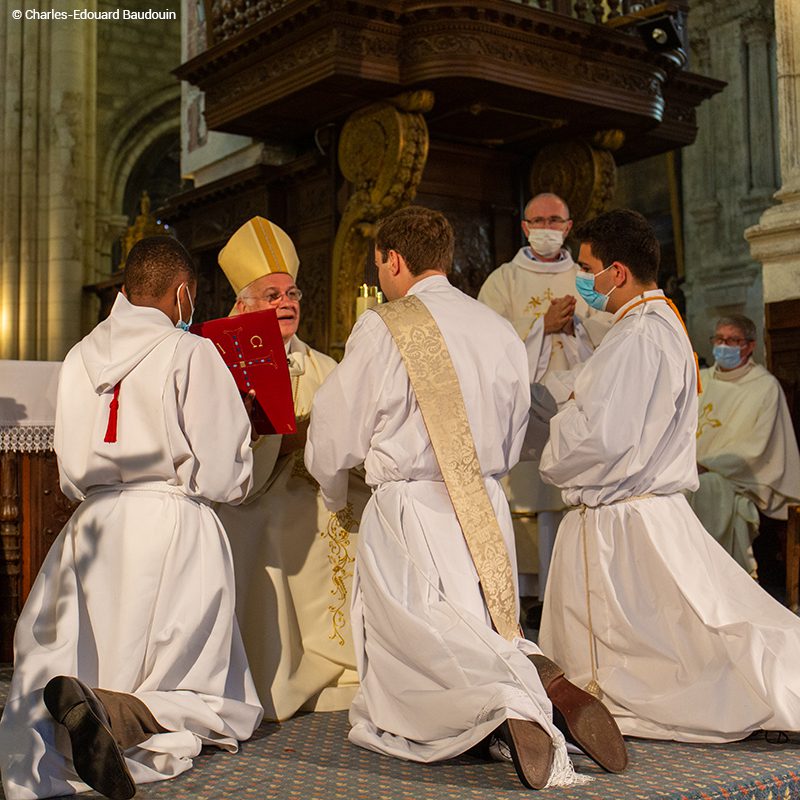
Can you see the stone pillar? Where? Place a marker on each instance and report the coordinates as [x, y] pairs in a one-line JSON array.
[[47, 182], [731, 41], [775, 240]]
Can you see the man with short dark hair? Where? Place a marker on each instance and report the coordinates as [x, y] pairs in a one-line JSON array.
[[535, 292], [746, 447], [644, 606], [433, 396], [127, 654]]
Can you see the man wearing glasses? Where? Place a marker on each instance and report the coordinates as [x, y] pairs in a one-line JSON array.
[[293, 558], [747, 453], [535, 291]]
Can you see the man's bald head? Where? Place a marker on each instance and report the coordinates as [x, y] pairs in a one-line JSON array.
[[544, 202], [153, 266]]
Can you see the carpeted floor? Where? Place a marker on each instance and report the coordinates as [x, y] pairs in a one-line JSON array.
[[309, 758]]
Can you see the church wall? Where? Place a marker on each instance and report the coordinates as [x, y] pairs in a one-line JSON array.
[[138, 103], [730, 173], [69, 89]]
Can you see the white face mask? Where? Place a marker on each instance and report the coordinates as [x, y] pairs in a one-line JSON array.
[[545, 242]]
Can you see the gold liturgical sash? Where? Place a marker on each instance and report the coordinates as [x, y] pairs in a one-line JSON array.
[[435, 384]]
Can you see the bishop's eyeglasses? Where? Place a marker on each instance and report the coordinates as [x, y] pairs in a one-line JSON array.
[[273, 296]]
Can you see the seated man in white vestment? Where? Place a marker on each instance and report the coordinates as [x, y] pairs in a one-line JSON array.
[[293, 558], [136, 595], [649, 610], [746, 447], [442, 381], [535, 292]]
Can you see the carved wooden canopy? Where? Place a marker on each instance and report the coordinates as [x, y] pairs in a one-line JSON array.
[[504, 74]]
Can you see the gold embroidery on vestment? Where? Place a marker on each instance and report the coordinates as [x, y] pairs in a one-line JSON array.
[[441, 403], [340, 526], [706, 420]]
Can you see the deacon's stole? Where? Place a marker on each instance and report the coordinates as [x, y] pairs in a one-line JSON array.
[[435, 384]]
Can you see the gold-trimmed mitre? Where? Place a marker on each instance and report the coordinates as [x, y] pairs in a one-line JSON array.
[[258, 248]]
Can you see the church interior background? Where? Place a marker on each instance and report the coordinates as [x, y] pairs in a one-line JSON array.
[[323, 115]]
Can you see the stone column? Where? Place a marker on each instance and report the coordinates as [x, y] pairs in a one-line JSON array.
[[775, 240], [47, 178]]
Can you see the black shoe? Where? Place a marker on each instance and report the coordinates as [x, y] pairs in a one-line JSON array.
[[531, 751], [582, 718], [96, 755]]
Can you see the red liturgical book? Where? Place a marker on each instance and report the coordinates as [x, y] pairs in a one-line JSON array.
[[252, 348]]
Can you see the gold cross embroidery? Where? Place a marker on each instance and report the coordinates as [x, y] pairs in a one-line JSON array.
[[536, 301], [706, 420]]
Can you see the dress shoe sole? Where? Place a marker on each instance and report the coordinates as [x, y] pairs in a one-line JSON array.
[[96, 755], [531, 751], [584, 720]]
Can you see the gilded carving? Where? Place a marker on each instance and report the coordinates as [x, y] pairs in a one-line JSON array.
[[382, 152], [583, 173]]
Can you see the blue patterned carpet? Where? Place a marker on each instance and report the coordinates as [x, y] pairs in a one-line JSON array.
[[309, 758]]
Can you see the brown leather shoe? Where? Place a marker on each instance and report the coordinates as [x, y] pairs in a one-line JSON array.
[[95, 754], [531, 751], [582, 718]]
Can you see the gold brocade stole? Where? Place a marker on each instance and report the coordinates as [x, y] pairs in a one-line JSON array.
[[435, 384]]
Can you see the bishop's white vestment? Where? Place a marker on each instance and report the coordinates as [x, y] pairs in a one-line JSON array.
[[521, 291], [682, 642], [435, 677], [294, 566], [746, 441], [136, 594]]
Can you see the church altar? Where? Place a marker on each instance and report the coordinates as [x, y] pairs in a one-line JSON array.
[[32, 507]]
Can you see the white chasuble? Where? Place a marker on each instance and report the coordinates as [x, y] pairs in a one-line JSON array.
[[294, 567], [137, 592], [435, 677], [521, 291], [683, 643], [746, 441]]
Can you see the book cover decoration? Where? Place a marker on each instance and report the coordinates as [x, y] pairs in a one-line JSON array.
[[252, 348]]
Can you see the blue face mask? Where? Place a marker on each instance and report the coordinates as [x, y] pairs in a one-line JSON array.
[[184, 326], [727, 356], [584, 283]]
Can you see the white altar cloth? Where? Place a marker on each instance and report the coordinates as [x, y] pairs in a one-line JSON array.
[[28, 405]]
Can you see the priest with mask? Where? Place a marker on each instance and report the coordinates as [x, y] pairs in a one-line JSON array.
[[645, 609], [535, 292], [746, 447]]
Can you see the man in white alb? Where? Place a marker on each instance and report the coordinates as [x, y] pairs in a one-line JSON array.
[[746, 446], [293, 558], [136, 595], [649, 610], [433, 396], [535, 292]]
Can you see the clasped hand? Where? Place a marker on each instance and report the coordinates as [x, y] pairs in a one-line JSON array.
[[558, 318]]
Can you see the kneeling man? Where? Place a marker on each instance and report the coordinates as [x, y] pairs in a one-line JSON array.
[[136, 594], [433, 396]]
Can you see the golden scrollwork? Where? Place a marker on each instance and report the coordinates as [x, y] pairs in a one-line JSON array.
[[382, 152], [340, 526], [705, 419], [583, 172]]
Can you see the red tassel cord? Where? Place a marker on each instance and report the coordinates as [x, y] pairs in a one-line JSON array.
[[113, 409]]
